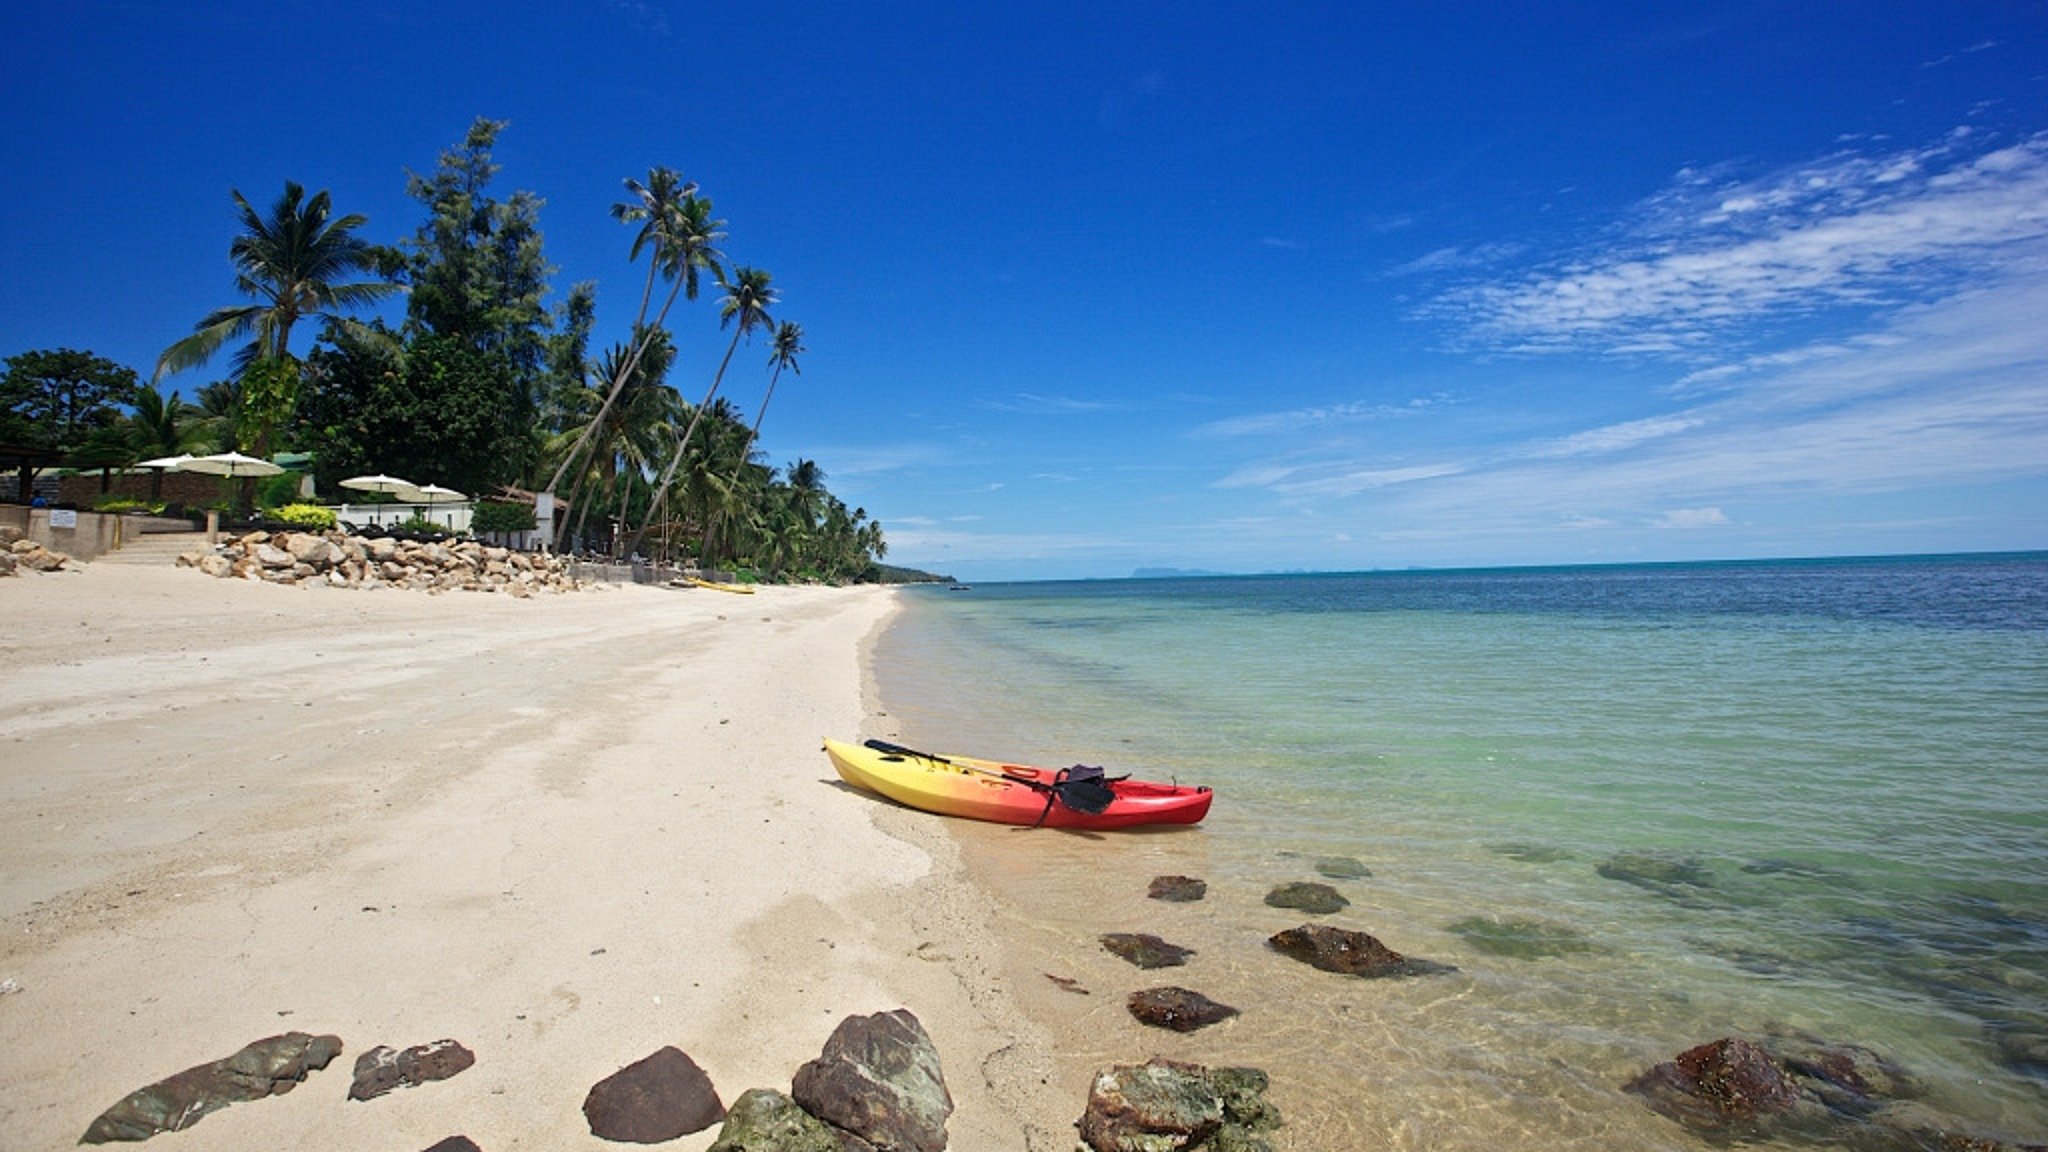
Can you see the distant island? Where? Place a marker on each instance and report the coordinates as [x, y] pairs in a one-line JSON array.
[[1172, 573]]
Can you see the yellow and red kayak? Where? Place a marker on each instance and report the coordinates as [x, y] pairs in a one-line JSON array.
[[979, 789]]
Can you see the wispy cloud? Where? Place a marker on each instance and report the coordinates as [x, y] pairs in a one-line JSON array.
[[1298, 419], [1033, 404], [1709, 255], [1691, 518]]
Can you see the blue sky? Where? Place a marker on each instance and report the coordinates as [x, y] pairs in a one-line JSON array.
[[1094, 287]]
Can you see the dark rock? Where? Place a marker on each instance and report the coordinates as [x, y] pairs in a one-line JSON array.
[[656, 1099], [1178, 889], [1314, 899], [381, 1069], [1848, 1079], [456, 1144], [1160, 1104], [1349, 953], [1164, 1105], [1242, 1093], [1530, 853], [1341, 868], [1177, 1008], [269, 1067], [1146, 950], [879, 1079], [1727, 1086], [1520, 938], [764, 1120], [1662, 872]]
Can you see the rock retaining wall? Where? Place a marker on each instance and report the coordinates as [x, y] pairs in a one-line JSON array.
[[344, 561]]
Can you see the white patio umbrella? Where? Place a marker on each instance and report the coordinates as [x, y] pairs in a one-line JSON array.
[[378, 483], [231, 464], [431, 494], [158, 466]]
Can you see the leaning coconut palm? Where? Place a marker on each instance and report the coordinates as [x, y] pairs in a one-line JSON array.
[[789, 344], [293, 263], [678, 224], [747, 300]]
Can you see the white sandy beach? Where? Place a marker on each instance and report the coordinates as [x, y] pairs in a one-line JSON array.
[[564, 831]]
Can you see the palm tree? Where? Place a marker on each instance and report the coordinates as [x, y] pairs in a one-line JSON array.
[[677, 223], [748, 297], [626, 436], [789, 344], [162, 426], [293, 263]]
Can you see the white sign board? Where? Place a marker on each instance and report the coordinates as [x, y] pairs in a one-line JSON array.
[[63, 518]]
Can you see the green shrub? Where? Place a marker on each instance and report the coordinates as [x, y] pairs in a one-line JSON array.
[[493, 516], [279, 490], [419, 522], [310, 516], [128, 504]]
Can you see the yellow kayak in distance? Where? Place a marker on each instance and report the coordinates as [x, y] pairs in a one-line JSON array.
[[715, 586]]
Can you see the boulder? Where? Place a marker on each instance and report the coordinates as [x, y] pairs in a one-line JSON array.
[[653, 1100], [1180, 1009], [1722, 1085], [1349, 953], [7, 563], [381, 1069], [271, 556], [764, 1120], [269, 1067], [1166, 1105], [39, 559], [1314, 899], [1146, 950], [879, 1078], [1177, 889]]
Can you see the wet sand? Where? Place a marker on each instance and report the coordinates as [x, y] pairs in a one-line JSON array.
[[565, 832]]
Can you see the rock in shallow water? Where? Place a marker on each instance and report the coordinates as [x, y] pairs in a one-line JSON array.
[[1341, 868], [1349, 953], [1146, 950], [1177, 889], [653, 1100], [879, 1079], [1165, 1105], [1306, 896], [268, 1067], [1177, 1008], [1521, 938]]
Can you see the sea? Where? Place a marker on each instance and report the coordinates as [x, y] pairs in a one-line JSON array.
[[1636, 808]]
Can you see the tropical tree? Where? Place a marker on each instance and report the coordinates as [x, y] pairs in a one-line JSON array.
[[748, 296], [476, 274], [677, 225], [63, 401], [789, 344], [629, 434], [293, 262]]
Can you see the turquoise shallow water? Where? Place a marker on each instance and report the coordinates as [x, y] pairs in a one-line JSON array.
[[1730, 798]]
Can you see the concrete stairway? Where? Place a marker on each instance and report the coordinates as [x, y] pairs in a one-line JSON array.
[[162, 548]]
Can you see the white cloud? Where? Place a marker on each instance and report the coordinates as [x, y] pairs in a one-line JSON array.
[[1704, 257], [1617, 437], [1034, 404], [1297, 419], [1691, 518]]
